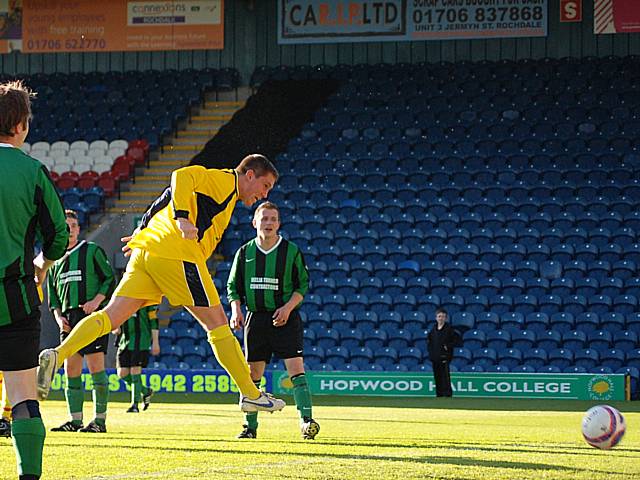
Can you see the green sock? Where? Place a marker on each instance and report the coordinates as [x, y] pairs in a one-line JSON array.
[[28, 440], [302, 395], [252, 418], [145, 390], [75, 398], [100, 396], [136, 389]]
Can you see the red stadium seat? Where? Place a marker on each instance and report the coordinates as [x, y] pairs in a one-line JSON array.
[[138, 155], [108, 184], [70, 174], [65, 182], [142, 143], [85, 183], [54, 176]]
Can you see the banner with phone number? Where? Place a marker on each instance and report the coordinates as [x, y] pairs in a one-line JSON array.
[[168, 381], [323, 21], [121, 25]]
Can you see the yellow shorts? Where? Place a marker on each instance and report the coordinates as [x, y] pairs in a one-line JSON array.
[[149, 277]]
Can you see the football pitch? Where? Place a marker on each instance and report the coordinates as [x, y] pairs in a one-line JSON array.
[[360, 438]]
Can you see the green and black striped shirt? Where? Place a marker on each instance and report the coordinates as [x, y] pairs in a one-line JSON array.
[[135, 333], [79, 276], [30, 211], [265, 281]]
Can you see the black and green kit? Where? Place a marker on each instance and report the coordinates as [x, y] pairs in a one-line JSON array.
[[79, 277], [136, 338], [135, 333], [30, 211], [264, 281]]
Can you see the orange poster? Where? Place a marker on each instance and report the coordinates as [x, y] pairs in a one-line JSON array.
[[121, 25]]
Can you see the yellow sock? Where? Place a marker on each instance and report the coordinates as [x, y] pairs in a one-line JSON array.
[[6, 408], [229, 355], [91, 327]]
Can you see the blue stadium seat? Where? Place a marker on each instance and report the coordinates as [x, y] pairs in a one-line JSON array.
[[400, 339], [361, 356], [611, 286], [513, 286], [474, 339], [327, 338], [562, 321], [386, 357], [525, 304], [612, 358], [562, 286], [550, 304], [537, 286], [498, 339], [625, 304], [370, 286], [586, 252], [561, 357], [484, 357], [441, 286], [512, 321], [411, 357], [375, 339], [537, 322], [394, 286], [500, 304], [475, 303], [549, 340], [514, 253], [344, 320], [535, 357], [489, 286], [523, 369], [314, 355], [575, 304], [587, 358], [487, 321], [600, 339], [600, 304], [509, 357], [337, 356], [612, 322], [574, 340]]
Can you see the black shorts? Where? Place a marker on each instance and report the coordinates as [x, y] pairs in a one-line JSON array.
[[20, 344], [132, 358], [262, 339], [99, 345]]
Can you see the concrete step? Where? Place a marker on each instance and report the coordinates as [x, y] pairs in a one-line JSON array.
[[138, 195], [211, 117], [215, 103], [199, 134], [127, 209], [181, 148]]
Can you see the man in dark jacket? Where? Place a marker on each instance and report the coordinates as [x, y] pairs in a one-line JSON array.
[[441, 340]]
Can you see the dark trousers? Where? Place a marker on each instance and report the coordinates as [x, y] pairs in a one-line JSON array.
[[442, 377]]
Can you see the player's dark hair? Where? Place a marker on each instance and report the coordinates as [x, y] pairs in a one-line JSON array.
[[442, 310], [15, 106], [71, 214], [260, 164]]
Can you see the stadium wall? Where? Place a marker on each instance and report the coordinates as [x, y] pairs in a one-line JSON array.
[[251, 41]]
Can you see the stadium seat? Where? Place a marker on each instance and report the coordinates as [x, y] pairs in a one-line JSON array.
[[484, 357], [561, 357], [587, 358], [562, 321], [474, 339], [549, 340], [600, 339], [509, 357], [327, 338], [574, 340], [487, 321], [535, 357]]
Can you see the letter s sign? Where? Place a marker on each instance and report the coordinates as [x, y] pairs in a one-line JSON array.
[[570, 10]]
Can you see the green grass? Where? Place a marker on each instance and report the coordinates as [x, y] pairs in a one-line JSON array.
[[367, 438]]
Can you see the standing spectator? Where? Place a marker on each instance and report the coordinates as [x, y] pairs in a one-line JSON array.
[[441, 340], [270, 277], [138, 335], [30, 209], [79, 283]]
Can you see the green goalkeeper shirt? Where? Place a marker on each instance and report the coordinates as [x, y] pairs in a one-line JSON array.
[[265, 281], [30, 210], [79, 276]]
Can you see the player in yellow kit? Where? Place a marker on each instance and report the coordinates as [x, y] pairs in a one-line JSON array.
[[168, 258]]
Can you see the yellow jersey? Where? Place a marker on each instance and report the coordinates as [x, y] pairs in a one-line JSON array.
[[206, 197]]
